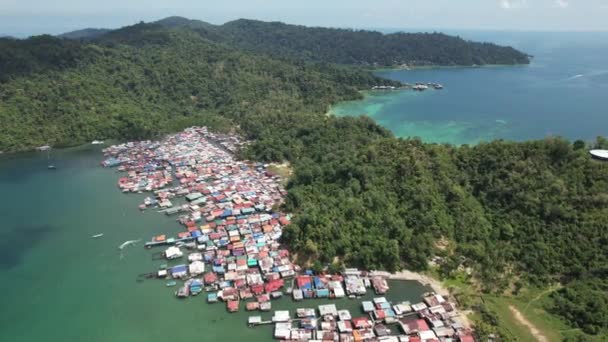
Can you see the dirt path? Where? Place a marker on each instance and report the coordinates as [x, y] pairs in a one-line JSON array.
[[549, 290], [533, 330]]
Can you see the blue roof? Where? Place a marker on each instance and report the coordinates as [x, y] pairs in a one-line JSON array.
[[318, 283], [323, 293], [306, 286], [179, 269]]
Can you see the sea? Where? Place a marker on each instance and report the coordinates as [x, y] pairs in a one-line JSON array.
[[561, 93], [57, 283]]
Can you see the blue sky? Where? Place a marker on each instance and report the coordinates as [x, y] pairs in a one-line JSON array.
[[21, 17]]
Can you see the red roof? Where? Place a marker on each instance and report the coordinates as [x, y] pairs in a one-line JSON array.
[[303, 280], [421, 325], [257, 289], [274, 285], [466, 338], [361, 322], [233, 305]]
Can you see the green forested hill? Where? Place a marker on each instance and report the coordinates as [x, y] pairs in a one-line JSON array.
[[343, 46], [147, 79], [88, 33], [360, 47], [512, 214]]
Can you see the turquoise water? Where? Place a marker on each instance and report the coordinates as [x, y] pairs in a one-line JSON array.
[[59, 284], [562, 92]]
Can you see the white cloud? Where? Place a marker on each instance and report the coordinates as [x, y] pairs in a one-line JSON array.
[[513, 4], [562, 3]]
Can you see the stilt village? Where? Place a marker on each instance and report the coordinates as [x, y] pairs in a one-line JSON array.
[[230, 250]]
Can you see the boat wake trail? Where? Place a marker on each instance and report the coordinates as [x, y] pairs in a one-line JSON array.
[[575, 77], [128, 243]]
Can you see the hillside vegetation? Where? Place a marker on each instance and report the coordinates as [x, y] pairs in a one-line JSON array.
[[512, 214], [349, 47], [361, 47], [144, 80]]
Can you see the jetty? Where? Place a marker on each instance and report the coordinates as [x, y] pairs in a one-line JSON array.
[[170, 241]]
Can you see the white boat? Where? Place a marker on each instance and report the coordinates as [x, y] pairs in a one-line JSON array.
[[96, 142], [97, 235]]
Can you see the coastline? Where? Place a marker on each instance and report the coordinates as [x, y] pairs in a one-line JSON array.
[[436, 285], [426, 280], [440, 67]]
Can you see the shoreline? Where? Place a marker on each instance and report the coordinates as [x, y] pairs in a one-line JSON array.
[[439, 67], [431, 282], [425, 280]]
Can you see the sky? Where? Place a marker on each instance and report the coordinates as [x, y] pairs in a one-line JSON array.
[[27, 17]]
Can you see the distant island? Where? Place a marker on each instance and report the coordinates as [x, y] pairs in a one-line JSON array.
[[342, 46], [495, 219]]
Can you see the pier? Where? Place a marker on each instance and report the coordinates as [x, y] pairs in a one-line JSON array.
[[167, 242]]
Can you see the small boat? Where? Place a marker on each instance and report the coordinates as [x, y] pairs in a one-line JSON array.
[[97, 235], [96, 142], [51, 167], [183, 292], [171, 283]]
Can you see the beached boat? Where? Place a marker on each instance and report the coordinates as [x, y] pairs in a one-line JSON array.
[[97, 235], [171, 283]]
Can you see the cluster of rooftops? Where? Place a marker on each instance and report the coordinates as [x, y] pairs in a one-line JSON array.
[[231, 240], [379, 320]]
